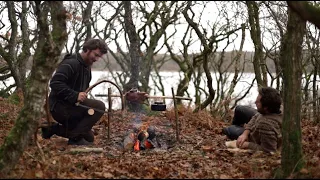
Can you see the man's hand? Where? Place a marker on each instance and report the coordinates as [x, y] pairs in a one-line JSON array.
[[82, 96]]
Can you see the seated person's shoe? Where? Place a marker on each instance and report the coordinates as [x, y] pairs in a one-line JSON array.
[[89, 136], [225, 131], [46, 132], [79, 142]]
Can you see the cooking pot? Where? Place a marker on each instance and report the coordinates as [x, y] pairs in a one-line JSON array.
[[158, 106]]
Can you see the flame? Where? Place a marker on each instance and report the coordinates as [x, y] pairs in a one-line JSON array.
[[143, 129], [136, 146]]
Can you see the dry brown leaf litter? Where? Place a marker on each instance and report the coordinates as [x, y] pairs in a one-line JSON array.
[[201, 152]]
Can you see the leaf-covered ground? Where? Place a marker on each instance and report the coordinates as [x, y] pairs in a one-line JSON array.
[[200, 153]]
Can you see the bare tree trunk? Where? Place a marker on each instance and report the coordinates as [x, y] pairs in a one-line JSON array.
[[312, 41], [197, 81], [86, 15], [309, 13], [315, 114], [306, 11], [188, 65], [46, 58], [26, 46], [16, 59], [237, 63], [81, 22], [208, 48], [134, 50], [163, 14], [259, 63], [277, 17], [291, 62]]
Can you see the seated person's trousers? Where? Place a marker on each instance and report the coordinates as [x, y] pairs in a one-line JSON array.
[[242, 115]]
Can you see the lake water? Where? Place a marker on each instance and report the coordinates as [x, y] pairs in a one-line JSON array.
[[170, 80]]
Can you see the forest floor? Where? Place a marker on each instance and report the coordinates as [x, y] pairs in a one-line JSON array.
[[200, 153]]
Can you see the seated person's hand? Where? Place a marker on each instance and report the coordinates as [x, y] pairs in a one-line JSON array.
[[245, 145], [241, 140]]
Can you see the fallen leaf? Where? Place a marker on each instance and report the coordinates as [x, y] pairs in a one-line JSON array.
[[207, 148], [29, 174], [304, 171], [39, 174], [223, 176]]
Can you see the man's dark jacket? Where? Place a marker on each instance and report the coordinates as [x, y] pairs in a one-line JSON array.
[[71, 77]]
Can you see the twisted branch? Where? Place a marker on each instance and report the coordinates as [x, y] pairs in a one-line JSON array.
[[102, 81]]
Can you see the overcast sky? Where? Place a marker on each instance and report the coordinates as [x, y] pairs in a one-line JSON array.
[[210, 15]]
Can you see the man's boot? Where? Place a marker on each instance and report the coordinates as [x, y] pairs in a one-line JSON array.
[[89, 136], [80, 141], [48, 131]]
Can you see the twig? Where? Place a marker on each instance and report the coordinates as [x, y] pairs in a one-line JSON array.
[[197, 145], [97, 150], [41, 152], [30, 155]]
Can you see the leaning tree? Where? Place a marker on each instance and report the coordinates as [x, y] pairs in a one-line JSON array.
[[51, 38]]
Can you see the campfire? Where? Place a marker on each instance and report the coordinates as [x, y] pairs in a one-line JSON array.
[[143, 136], [140, 138]]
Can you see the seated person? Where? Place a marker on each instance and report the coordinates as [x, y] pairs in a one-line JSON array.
[[263, 130]]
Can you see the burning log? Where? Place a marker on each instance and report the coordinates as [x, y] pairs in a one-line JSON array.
[[129, 141]]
